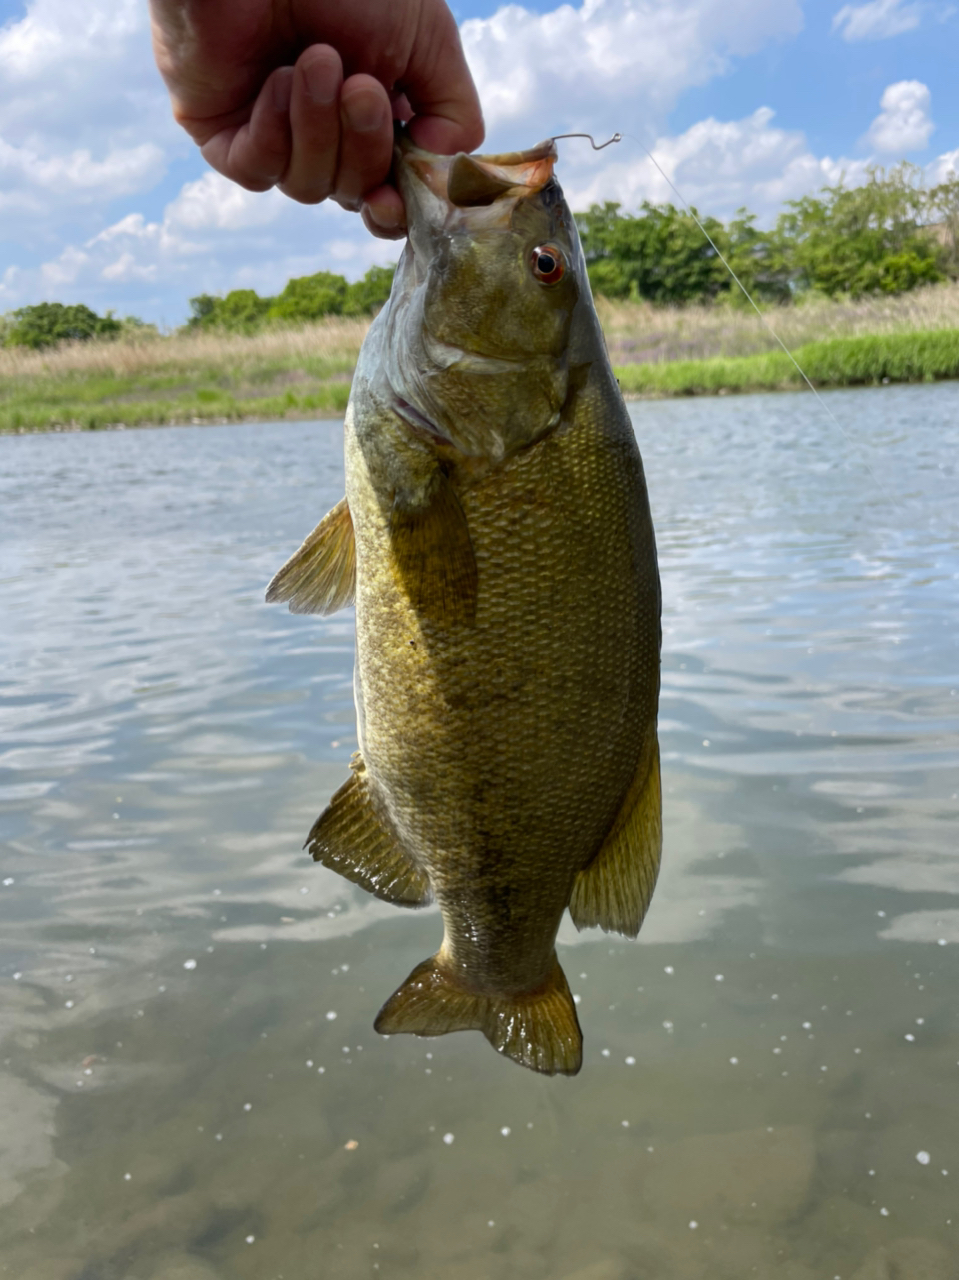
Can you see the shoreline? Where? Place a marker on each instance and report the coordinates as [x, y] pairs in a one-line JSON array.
[[91, 395], [632, 397]]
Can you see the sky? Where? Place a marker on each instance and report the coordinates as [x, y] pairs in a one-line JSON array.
[[103, 200]]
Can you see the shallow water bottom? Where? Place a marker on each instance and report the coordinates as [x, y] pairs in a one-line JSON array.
[[229, 1127]]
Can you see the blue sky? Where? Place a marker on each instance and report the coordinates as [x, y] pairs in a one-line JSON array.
[[103, 200]]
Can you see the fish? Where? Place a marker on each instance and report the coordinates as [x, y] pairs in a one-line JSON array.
[[497, 542]]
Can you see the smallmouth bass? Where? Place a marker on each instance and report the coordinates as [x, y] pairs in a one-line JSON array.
[[496, 538]]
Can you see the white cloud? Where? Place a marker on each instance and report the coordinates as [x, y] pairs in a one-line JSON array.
[[65, 269], [212, 237], [945, 168], [122, 170], [609, 64], [54, 33], [718, 166], [83, 114], [903, 124], [214, 201], [877, 20]]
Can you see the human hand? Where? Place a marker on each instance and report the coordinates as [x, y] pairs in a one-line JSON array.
[[302, 94]]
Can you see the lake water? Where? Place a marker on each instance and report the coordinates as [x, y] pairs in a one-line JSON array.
[[190, 1086]]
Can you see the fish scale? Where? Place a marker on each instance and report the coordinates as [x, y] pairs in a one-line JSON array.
[[507, 612]]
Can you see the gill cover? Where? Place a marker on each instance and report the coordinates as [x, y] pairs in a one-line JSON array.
[[476, 343]]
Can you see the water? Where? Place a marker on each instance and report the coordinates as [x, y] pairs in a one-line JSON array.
[[190, 1086]]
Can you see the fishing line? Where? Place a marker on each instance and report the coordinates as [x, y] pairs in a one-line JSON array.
[[618, 137]]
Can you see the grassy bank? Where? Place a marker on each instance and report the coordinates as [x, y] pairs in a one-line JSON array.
[[185, 378], [306, 372], [639, 333], [838, 362]]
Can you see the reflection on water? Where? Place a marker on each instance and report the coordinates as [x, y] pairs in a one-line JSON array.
[[189, 1081]]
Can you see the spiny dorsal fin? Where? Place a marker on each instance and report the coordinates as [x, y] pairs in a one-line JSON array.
[[352, 839], [434, 555], [321, 576], [538, 1029], [614, 890]]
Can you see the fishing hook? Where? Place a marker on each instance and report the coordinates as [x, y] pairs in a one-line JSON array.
[[617, 137]]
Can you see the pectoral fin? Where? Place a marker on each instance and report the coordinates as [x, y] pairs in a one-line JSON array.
[[434, 556], [614, 890], [321, 576], [352, 839], [538, 1029]]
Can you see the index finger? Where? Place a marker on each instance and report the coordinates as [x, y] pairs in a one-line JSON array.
[[439, 87]]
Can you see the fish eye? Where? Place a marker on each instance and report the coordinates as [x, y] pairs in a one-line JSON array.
[[548, 264]]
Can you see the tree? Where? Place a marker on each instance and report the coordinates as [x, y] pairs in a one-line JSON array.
[[944, 213], [304, 298], [366, 296], [866, 239], [47, 323], [661, 255], [241, 311], [759, 259], [309, 298]]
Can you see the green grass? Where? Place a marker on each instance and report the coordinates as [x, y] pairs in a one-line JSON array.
[[307, 373], [840, 362], [99, 404], [94, 385]]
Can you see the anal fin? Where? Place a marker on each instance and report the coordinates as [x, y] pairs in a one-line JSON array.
[[352, 839], [538, 1029], [321, 576], [614, 890], [434, 555]]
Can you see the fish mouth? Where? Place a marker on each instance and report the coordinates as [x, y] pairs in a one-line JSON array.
[[465, 182]]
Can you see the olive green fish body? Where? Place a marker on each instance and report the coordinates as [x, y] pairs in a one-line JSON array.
[[502, 750], [508, 634]]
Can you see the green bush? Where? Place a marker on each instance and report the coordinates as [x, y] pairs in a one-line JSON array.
[[303, 299], [47, 323], [888, 235], [366, 296], [309, 298], [241, 311], [866, 239]]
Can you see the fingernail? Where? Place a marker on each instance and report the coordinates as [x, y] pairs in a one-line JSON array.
[[364, 112], [322, 81], [282, 89]]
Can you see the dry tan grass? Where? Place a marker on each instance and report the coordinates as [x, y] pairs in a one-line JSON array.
[[332, 339], [638, 333]]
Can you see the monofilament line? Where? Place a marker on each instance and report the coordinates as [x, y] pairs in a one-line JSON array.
[[748, 296]]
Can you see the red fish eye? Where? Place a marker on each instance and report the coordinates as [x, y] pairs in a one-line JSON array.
[[548, 264]]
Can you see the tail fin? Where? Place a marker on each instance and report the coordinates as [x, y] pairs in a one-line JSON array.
[[538, 1029]]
